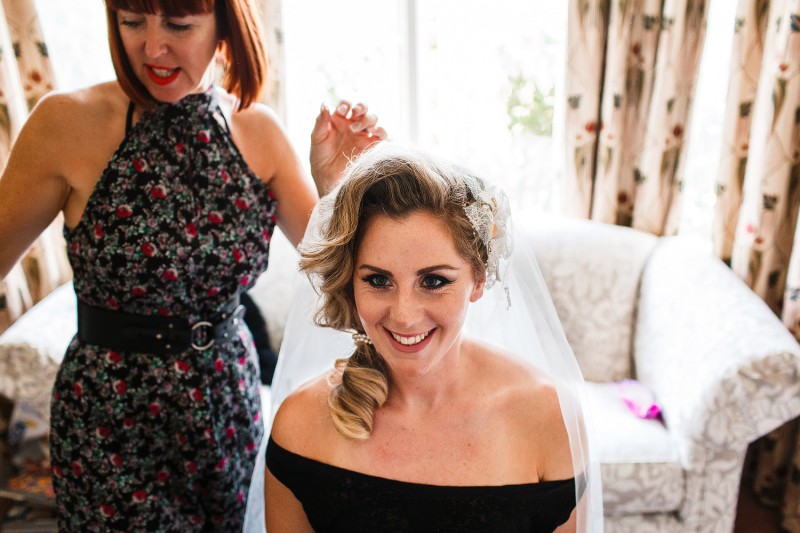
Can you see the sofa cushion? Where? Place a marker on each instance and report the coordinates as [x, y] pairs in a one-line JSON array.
[[592, 271], [639, 460]]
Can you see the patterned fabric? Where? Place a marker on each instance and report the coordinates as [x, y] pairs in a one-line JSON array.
[[641, 473], [597, 310], [176, 225], [758, 202], [721, 365], [624, 153], [746, 59], [586, 35], [30, 50]]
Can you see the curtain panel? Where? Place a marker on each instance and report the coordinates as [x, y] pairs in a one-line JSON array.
[[758, 189], [631, 70]]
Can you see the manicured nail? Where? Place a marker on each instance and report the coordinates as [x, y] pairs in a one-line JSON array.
[[342, 109]]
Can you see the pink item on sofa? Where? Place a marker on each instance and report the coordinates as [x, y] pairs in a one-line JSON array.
[[638, 398]]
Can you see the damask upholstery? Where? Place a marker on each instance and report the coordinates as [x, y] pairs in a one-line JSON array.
[[721, 365]]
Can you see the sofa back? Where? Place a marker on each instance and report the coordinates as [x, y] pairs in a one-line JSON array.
[[592, 271]]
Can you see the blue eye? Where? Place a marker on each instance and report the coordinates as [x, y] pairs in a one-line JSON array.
[[433, 281], [376, 280]]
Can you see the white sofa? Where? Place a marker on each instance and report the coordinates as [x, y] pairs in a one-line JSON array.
[[660, 310], [721, 365]]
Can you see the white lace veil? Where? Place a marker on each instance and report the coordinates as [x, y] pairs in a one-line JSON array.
[[517, 314]]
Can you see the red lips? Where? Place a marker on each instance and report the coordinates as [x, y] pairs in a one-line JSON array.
[[161, 80]]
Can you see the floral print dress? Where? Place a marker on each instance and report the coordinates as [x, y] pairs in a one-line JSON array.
[[176, 226]]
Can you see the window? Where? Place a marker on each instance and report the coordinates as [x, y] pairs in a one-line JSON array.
[[475, 84], [705, 137], [75, 34]]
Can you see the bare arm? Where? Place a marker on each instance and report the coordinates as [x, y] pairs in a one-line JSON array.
[[570, 526], [268, 152], [558, 461], [295, 193], [282, 510], [298, 426], [32, 189]]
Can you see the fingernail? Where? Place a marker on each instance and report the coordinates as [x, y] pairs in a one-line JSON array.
[[355, 128], [342, 109], [323, 107]]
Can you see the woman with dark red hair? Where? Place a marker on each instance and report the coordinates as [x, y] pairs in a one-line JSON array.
[[170, 187]]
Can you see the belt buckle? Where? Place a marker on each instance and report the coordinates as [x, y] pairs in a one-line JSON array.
[[197, 336]]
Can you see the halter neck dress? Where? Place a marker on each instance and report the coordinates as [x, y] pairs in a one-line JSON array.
[[176, 226]]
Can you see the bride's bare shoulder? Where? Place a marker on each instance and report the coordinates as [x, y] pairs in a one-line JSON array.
[[303, 416], [526, 398], [504, 371]]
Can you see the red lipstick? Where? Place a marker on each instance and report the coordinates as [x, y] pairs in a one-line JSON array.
[[161, 80]]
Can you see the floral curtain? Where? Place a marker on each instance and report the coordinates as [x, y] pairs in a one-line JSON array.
[[25, 76], [758, 188], [631, 71]]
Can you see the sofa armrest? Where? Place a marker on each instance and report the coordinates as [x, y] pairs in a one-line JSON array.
[[32, 349], [723, 366]]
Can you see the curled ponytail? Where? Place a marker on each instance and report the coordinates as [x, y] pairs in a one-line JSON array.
[[359, 387]]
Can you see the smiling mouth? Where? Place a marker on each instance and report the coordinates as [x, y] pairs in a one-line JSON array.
[[410, 341], [162, 75]]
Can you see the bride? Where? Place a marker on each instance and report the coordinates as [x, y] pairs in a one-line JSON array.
[[427, 382]]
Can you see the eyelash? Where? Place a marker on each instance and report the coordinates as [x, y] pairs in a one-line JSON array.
[[135, 24], [441, 281], [371, 280], [178, 27]]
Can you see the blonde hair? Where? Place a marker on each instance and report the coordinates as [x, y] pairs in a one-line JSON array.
[[239, 31], [392, 181]]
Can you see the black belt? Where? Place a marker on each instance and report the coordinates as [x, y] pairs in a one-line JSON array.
[[160, 335]]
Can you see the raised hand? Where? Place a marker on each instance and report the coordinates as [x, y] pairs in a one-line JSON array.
[[338, 137]]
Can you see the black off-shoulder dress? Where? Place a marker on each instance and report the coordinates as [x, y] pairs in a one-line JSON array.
[[336, 499]]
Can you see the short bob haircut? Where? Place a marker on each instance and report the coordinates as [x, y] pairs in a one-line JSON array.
[[239, 31]]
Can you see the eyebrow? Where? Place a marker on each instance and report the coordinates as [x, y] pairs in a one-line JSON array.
[[420, 272]]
